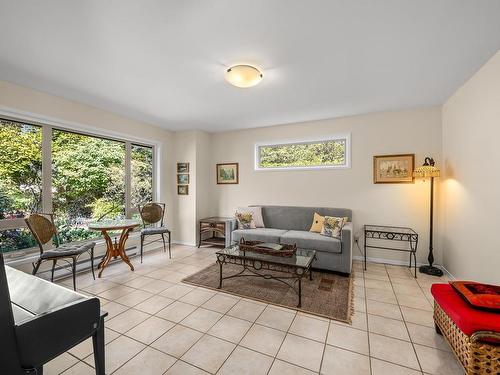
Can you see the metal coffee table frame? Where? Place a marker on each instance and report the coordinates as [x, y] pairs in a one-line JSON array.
[[255, 265]]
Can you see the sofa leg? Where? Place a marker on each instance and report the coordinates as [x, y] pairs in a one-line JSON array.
[[438, 330]]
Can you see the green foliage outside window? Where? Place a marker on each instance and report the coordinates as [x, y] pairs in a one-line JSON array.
[[317, 154], [88, 180]]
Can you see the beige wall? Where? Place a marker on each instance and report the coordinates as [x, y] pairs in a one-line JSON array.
[[413, 131], [192, 147], [471, 133]]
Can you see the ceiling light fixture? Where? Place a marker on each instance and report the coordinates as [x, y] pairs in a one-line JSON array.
[[243, 76]]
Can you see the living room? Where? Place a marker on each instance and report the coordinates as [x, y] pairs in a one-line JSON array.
[[183, 145]]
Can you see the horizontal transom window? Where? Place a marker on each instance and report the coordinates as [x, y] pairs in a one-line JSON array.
[[330, 152]]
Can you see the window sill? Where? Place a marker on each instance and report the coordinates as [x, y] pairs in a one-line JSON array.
[[26, 256]]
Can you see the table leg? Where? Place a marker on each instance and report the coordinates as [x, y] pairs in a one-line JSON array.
[[300, 292], [121, 247], [109, 253], [220, 275], [113, 250]]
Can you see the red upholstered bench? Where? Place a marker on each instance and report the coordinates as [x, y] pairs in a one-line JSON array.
[[474, 335]]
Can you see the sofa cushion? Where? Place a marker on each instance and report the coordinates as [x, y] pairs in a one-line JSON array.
[[258, 234], [298, 218], [311, 240]]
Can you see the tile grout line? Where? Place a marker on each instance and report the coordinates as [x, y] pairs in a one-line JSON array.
[[407, 330]]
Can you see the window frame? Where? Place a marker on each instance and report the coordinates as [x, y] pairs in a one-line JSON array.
[[48, 124], [337, 137]]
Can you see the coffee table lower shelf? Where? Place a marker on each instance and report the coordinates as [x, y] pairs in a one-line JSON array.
[[257, 268]]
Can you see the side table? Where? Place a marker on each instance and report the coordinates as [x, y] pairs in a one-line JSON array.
[[216, 231], [389, 233]]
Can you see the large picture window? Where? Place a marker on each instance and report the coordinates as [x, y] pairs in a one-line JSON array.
[[89, 178], [326, 153], [20, 181]]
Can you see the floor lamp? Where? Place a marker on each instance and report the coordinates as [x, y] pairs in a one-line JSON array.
[[429, 170]]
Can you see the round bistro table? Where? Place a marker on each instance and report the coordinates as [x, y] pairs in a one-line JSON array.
[[114, 249]]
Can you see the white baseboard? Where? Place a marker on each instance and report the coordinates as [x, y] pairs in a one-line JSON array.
[[398, 263], [185, 243]]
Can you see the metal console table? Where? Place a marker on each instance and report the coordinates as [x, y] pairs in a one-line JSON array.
[[389, 233]]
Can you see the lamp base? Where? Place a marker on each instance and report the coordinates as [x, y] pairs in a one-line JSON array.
[[431, 270]]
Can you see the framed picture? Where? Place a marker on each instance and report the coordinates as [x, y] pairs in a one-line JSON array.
[[227, 173], [183, 179], [183, 189], [393, 169], [182, 167]]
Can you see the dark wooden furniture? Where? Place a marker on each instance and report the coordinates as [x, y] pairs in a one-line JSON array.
[[116, 249], [388, 233], [214, 231], [292, 268], [44, 230], [40, 321], [152, 215]]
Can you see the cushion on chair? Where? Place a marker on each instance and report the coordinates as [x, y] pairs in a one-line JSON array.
[[311, 240], [68, 250], [468, 319], [258, 234], [154, 230]]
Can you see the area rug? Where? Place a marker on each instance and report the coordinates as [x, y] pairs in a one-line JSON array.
[[327, 295]]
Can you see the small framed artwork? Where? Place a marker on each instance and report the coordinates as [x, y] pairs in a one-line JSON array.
[[182, 167], [183, 179], [393, 169], [183, 189], [227, 173]]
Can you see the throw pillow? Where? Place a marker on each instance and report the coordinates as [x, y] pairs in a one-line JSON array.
[[332, 226], [256, 213], [245, 220], [317, 224]]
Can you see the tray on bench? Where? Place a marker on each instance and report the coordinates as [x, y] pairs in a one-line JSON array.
[[285, 251]]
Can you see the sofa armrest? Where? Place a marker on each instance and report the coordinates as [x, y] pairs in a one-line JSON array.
[[232, 226], [346, 238]]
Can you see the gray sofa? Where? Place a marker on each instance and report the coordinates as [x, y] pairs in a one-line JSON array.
[[290, 225]]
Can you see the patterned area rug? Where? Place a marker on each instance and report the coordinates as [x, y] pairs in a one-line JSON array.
[[327, 295]]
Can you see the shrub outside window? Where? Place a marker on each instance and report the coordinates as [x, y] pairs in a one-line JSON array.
[[333, 152]]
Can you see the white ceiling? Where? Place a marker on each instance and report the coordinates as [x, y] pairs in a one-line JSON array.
[[163, 62]]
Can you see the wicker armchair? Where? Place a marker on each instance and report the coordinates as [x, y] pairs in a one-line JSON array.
[[44, 231], [152, 215]]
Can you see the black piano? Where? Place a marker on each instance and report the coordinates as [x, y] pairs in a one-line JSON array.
[[40, 320]]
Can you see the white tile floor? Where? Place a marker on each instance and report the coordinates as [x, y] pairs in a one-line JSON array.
[[157, 325]]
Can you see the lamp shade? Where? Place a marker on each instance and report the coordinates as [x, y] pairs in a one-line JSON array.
[[428, 169], [243, 76]]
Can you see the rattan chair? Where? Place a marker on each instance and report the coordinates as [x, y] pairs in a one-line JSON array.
[[152, 215], [44, 230]]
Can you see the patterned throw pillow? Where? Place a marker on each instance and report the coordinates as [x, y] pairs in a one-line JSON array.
[[332, 226], [245, 220]]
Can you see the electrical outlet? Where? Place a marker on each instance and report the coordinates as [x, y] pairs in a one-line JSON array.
[[356, 238]]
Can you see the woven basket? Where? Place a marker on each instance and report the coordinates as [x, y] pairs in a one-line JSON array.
[[477, 356]]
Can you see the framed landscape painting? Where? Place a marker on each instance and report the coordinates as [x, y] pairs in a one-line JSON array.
[[227, 173], [393, 169], [183, 179], [182, 167], [183, 189]]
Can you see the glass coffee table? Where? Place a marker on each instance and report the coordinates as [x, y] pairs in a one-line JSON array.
[[289, 270]]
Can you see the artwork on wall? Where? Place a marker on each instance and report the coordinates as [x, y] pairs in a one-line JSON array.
[[393, 169], [183, 179], [182, 167], [227, 173], [183, 189]]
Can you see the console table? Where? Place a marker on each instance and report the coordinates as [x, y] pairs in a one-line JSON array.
[[215, 231], [374, 233]]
